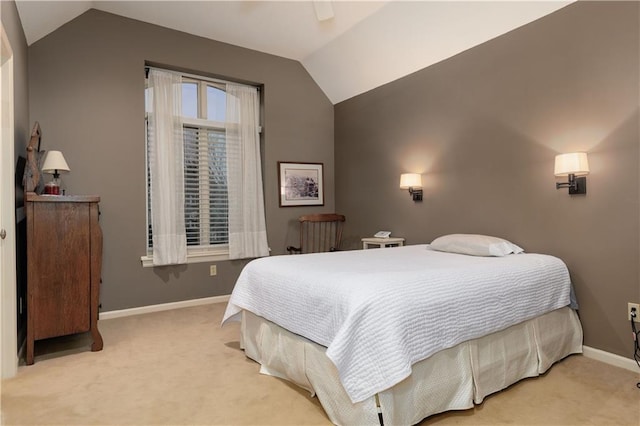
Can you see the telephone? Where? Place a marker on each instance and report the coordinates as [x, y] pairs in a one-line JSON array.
[[382, 234]]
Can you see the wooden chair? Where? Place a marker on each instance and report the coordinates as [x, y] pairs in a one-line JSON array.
[[319, 233]]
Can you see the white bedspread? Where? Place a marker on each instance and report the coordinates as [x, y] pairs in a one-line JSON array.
[[380, 311]]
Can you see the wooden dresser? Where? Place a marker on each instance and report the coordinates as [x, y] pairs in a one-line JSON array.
[[64, 259]]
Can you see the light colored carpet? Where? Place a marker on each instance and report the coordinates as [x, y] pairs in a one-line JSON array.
[[180, 367]]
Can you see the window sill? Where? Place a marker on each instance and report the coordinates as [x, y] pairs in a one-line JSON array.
[[195, 257]]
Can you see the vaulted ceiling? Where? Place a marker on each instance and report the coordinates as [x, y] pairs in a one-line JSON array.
[[362, 45]]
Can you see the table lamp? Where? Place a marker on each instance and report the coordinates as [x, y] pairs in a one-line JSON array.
[[54, 163]]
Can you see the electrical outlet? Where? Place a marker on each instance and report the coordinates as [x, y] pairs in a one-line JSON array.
[[213, 270], [635, 306]]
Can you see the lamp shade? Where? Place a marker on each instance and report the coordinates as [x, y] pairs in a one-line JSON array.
[[574, 163], [54, 162], [410, 180]]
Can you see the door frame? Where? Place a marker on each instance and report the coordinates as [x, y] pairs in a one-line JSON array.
[[8, 311]]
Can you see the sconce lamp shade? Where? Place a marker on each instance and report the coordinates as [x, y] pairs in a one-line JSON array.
[[575, 163], [410, 180], [55, 163]]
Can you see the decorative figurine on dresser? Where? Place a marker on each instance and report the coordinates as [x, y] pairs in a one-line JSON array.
[[64, 259]]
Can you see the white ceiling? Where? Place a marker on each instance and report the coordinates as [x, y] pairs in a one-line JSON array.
[[366, 44]]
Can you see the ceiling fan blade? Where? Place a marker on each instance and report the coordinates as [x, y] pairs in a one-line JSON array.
[[324, 9]]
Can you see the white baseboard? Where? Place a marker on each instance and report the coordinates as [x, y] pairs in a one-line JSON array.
[[609, 358], [163, 307]]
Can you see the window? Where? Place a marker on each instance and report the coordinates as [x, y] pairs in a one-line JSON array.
[[206, 203]]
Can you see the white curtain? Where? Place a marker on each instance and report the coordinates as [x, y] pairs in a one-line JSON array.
[[167, 168], [247, 229]]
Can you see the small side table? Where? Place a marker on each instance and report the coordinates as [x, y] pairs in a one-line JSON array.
[[382, 242]]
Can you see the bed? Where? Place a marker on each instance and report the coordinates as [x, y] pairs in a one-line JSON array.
[[396, 335]]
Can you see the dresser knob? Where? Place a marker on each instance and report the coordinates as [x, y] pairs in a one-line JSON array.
[[3, 234]]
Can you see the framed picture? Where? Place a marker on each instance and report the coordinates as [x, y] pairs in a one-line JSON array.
[[301, 184]]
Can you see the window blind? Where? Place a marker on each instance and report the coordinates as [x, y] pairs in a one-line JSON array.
[[206, 207], [205, 179]]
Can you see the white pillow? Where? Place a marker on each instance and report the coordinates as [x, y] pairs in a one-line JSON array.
[[475, 245]]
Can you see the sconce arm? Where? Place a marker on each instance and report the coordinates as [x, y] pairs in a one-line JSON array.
[[576, 185], [416, 193], [570, 184], [565, 185]]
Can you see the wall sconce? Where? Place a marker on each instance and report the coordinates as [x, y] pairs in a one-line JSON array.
[[572, 165], [413, 182]]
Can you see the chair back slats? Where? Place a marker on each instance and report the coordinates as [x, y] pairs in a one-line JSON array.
[[319, 233]]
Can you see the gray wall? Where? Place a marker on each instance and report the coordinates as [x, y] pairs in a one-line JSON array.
[[484, 126], [87, 90], [15, 34]]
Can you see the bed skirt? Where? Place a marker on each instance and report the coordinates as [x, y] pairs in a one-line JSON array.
[[452, 379]]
